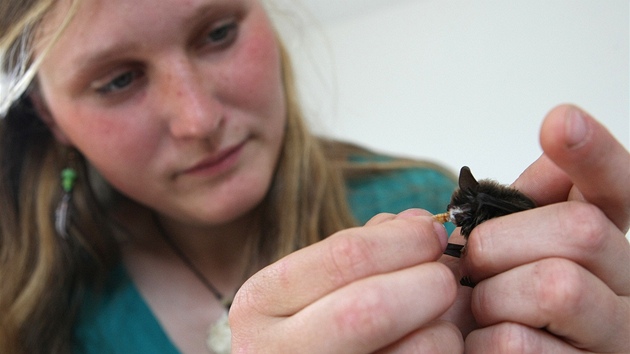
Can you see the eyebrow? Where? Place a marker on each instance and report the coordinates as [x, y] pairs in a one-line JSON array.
[[91, 59], [100, 55]]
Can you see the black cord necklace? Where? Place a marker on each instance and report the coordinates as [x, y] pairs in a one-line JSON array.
[[182, 256], [219, 334]]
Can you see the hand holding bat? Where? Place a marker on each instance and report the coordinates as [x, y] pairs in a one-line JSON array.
[[556, 278]]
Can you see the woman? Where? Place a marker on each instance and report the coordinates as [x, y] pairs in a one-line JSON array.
[[195, 171], [214, 121]]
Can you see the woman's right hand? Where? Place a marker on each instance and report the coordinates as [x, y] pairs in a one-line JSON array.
[[376, 288]]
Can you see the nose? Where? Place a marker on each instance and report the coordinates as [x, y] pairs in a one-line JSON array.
[[189, 101]]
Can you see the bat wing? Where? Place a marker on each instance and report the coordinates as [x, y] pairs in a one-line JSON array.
[[503, 206]]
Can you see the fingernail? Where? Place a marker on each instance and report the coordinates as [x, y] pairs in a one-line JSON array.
[[440, 230], [576, 128]]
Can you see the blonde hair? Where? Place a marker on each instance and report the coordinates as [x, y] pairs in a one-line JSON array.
[[17, 65], [305, 178], [44, 277]]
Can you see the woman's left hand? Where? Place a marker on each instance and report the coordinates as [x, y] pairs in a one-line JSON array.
[[557, 278]]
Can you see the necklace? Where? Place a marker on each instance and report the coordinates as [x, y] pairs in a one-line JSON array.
[[219, 335]]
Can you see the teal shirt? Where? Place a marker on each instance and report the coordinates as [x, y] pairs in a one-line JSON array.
[[120, 321], [393, 192]]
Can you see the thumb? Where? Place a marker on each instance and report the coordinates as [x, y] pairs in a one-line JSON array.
[[595, 162]]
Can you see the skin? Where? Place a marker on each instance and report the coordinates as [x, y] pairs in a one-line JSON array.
[[369, 289], [169, 97], [180, 106], [379, 288]]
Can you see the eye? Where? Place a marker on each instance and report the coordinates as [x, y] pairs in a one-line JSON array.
[[118, 83], [223, 34]]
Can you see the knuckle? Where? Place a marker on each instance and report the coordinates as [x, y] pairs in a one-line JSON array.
[[239, 318], [349, 257], [559, 287], [515, 339], [259, 293], [366, 316], [587, 224], [244, 300], [379, 218]]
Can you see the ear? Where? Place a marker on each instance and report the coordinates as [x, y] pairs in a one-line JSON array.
[[44, 113], [466, 179]]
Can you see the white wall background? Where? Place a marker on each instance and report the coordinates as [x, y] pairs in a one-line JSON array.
[[460, 82]]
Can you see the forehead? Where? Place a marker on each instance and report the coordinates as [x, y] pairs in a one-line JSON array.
[[98, 24], [98, 15]]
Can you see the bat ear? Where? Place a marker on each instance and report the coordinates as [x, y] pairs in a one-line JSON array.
[[466, 179]]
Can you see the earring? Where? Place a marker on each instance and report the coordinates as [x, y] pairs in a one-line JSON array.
[[62, 213]]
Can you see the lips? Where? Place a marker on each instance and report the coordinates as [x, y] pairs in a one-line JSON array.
[[216, 163]]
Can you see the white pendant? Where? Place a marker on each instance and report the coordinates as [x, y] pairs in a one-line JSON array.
[[219, 336]]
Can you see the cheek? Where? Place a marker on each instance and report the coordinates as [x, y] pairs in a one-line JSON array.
[[119, 148], [256, 72]]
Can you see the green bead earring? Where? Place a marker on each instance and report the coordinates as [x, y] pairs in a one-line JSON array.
[[68, 178]]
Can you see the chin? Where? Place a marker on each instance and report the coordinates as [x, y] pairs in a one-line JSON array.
[[236, 207]]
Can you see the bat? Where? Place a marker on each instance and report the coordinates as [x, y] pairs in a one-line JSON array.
[[475, 202]]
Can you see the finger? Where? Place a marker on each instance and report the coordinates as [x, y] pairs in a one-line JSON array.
[[297, 280], [544, 182], [596, 163], [372, 313], [383, 217], [436, 337], [516, 339], [551, 294], [380, 218], [574, 230]]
